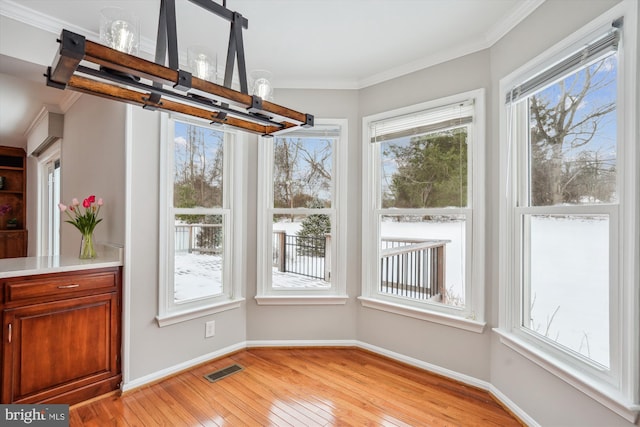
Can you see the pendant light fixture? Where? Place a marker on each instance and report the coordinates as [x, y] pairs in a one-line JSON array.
[[112, 70]]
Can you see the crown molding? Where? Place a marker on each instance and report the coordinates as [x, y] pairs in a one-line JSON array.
[[518, 15], [13, 10], [492, 36]]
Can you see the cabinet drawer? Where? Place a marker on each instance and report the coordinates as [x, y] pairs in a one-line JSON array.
[[59, 285]]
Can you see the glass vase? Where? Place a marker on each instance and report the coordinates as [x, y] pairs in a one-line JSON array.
[[87, 250]]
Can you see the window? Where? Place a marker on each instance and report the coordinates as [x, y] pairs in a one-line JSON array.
[[49, 191], [197, 238], [422, 210], [569, 214], [302, 198]]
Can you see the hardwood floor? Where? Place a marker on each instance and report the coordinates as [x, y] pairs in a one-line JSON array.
[[299, 387]]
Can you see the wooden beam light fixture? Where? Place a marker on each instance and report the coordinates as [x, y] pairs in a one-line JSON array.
[[93, 68]]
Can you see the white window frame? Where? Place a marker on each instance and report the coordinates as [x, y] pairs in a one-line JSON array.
[[170, 312], [471, 317], [45, 234], [617, 387], [336, 293]]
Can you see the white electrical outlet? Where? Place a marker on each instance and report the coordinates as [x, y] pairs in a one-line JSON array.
[[210, 329]]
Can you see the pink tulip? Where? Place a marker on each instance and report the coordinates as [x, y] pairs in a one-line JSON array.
[[100, 202], [62, 207], [75, 202]]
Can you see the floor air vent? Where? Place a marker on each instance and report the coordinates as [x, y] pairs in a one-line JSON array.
[[225, 372]]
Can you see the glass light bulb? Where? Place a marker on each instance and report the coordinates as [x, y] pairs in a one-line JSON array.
[[120, 30], [201, 63], [262, 84], [122, 38], [262, 88]]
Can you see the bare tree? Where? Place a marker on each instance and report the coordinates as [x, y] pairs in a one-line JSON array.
[[301, 171], [561, 125]]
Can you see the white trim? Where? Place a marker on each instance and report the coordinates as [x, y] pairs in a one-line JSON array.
[[428, 367], [13, 10], [501, 28], [423, 314], [128, 237], [618, 389], [20, 13], [182, 316], [605, 395], [510, 404], [302, 300], [70, 97], [175, 369], [301, 343], [53, 152], [169, 311], [336, 292], [474, 310]]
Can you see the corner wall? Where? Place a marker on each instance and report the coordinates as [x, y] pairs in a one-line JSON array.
[[465, 352], [546, 398], [310, 322], [92, 162]]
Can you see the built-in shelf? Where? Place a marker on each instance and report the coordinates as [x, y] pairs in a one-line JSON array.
[[13, 241]]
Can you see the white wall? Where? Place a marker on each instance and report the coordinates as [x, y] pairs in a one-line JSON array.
[[325, 323], [95, 145], [461, 351], [150, 348], [550, 401], [92, 162]]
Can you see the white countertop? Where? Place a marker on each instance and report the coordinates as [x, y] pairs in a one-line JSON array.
[[107, 256]]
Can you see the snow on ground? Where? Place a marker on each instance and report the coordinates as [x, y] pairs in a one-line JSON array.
[[570, 260], [197, 275], [570, 265], [437, 230]]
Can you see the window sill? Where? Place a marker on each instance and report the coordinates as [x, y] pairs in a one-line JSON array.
[[600, 391], [430, 316], [183, 316], [302, 299]]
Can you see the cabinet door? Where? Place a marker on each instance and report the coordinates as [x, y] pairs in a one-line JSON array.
[[13, 244], [54, 350]]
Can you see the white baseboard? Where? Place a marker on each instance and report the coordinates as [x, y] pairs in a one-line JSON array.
[[172, 370], [448, 373], [515, 409], [303, 343]]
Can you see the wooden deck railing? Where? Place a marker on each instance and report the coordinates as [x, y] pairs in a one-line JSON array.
[[307, 256], [201, 238], [413, 268]]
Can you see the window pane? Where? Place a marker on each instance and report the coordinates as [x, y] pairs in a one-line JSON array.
[[423, 257], [573, 138], [425, 171], [52, 220], [568, 296], [302, 172], [301, 251], [198, 158], [198, 256]]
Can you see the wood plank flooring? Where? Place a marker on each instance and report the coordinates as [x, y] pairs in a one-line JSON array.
[[299, 387]]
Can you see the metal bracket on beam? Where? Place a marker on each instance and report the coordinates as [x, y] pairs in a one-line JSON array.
[[184, 81], [309, 121], [71, 52], [152, 102], [256, 104], [53, 84]]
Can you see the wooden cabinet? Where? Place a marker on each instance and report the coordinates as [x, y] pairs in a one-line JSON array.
[[13, 244], [13, 233], [61, 336]]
